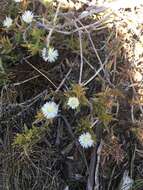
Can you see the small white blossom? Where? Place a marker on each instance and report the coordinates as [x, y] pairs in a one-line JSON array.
[[27, 16], [7, 22], [86, 140], [50, 110], [73, 102], [50, 54], [45, 54]]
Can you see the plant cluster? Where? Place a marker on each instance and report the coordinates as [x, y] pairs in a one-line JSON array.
[[28, 37]]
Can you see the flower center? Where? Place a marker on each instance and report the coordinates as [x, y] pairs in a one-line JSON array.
[[50, 109]]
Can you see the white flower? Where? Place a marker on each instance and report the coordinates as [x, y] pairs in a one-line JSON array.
[[45, 54], [7, 22], [73, 102], [86, 140], [18, 1], [27, 16], [50, 110], [50, 54]]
